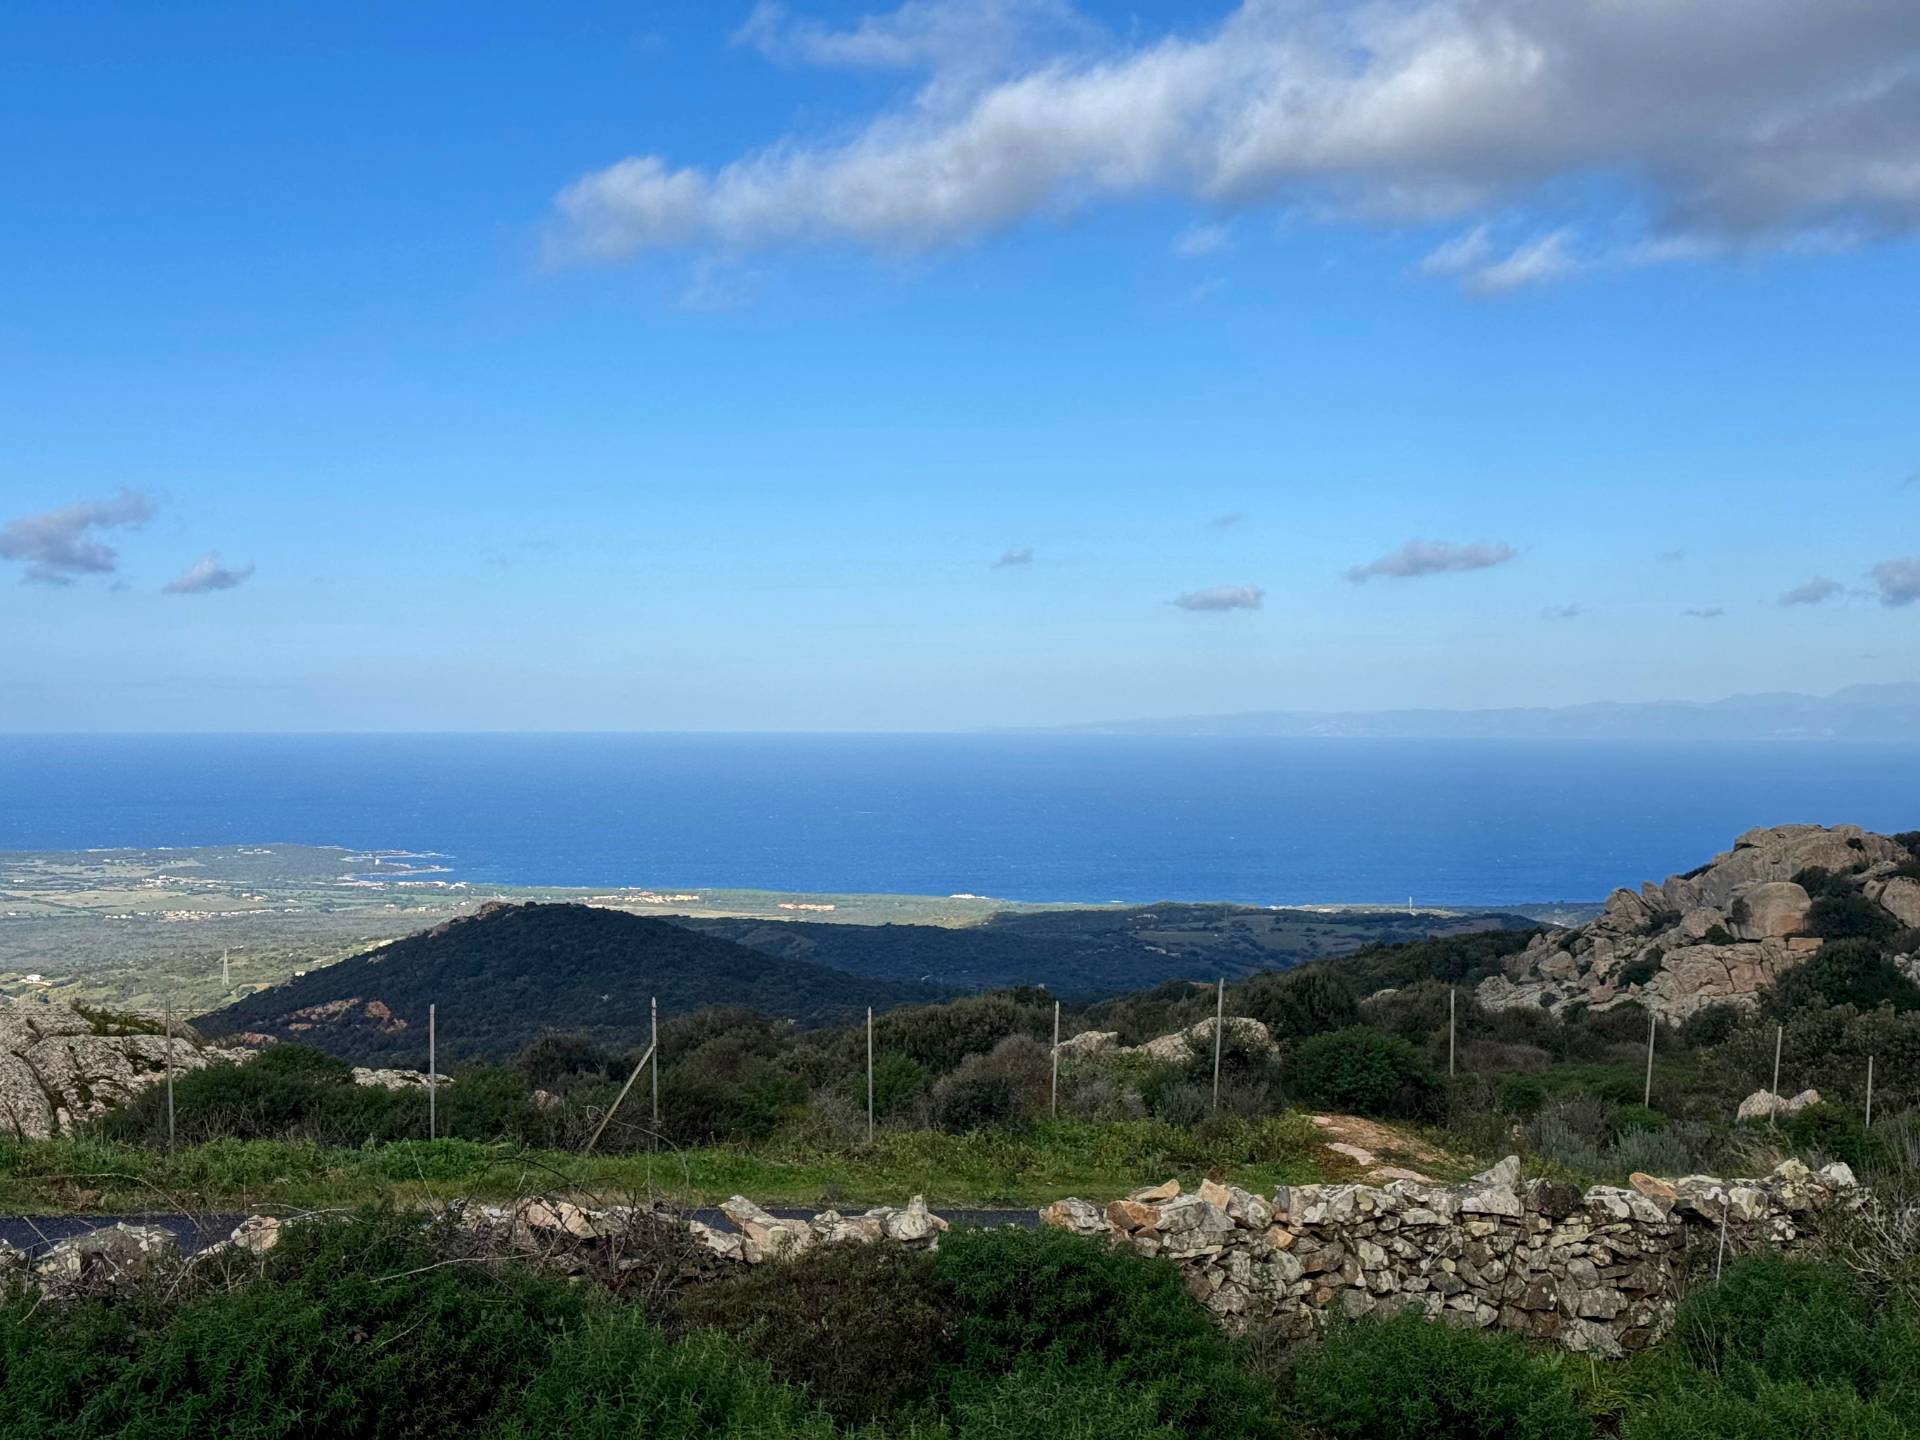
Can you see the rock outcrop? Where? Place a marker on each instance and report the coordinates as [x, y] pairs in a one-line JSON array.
[[1597, 1271], [1717, 935], [1196, 1039], [59, 1067]]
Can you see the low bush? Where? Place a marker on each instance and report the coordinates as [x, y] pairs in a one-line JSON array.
[[616, 1377], [1843, 972], [882, 1307], [1365, 1071], [1412, 1379], [357, 1330], [1041, 1299]]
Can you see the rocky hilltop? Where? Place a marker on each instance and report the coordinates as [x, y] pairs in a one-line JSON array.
[[1724, 932], [60, 1066]]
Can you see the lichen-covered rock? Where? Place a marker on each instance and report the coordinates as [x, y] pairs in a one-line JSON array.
[[99, 1261], [59, 1067], [1762, 1104]]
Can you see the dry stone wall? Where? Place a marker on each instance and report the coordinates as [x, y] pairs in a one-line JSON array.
[[1596, 1271]]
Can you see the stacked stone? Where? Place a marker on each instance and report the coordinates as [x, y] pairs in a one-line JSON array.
[[1596, 1271]]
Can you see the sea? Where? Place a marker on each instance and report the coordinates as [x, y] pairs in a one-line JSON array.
[[1022, 817]]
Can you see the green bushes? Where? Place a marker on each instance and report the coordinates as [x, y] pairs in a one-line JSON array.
[[1409, 1378], [1844, 972], [1365, 1071], [1028, 1301], [357, 1330], [616, 1377], [886, 1312]]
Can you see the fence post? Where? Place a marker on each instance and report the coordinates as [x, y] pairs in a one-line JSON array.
[[1726, 1209], [869, 1074], [1053, 1106], [1773, 1110], [433, 1074], [653, 1046], [169, 1022], [1869, 1120], [607, 1119], [1453, 992], [1647, 1100], [1219, 1029]]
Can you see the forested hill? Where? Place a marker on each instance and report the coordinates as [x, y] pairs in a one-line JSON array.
[[504, 974], [1087, 954]]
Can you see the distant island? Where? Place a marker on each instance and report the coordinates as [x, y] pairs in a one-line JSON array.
[[1859, 712]]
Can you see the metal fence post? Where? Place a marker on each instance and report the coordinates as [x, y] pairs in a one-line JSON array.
[[1647, 1100], [1453, 993], [1219, 1029], [1773, 1110], [653, 1045], [433, 1074], [169, 1023], [1053, 1105], [1869, 1120], [869, 1074]]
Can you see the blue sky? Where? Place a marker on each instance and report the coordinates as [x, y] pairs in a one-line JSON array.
[[696, 365]]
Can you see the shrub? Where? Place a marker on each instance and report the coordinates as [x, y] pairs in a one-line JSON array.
[[284, 1092], [1765, 1411], [357, 1330], [616, 1377], [1710, 1025], [1367, 1072], [898, 1081], [1844, 972], [857, 1325], [1776, 1321], [965, 1101], [1827, 1131], [1848, 916], [1639, 972], [1522, 1095], [1297, 1003], [1412, 1379], [1050, 1401], [1026, 1299]]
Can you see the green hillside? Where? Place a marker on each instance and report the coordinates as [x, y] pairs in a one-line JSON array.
[[504, 974]]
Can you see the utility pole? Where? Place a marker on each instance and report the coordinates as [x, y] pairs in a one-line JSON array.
[[1219, 1031]]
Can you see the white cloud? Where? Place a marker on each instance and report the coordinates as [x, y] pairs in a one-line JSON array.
[[1816, 591], [1015, 556], [1223, 597], [1898, 581], [1706, 612], [1729, 122], [207, 574], [1432, 557], [57, 546], [1562, 612]]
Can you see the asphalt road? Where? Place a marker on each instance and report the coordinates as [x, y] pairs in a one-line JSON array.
[[34, 1233]]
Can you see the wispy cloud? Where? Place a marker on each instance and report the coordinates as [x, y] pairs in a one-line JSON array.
[[1816, 591], [1228, 520], [1732, 123], [1897, 582], [1016, 556], [1562, 612], [1706, 612], [1222, 597], [1432, 557], [1480, 268], [57, 546], [1671, 557], [1197, 241], [207, 574]]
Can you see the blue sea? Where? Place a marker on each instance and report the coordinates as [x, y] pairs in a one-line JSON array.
[[1084, 818]]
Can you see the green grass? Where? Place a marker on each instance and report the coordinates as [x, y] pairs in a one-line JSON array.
[[1024, 1168]]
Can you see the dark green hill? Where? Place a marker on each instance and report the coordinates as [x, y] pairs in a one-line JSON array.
[[1092, 953], [507, 972]]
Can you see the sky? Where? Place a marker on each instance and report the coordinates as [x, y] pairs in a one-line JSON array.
[[960, 363]]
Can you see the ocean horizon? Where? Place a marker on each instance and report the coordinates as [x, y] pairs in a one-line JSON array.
[[1033, 817]]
